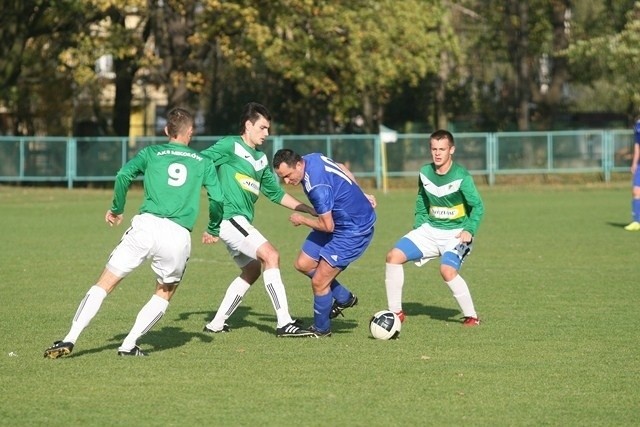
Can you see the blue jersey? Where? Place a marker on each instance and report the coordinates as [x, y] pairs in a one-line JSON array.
[[636, 132], [329, 189]]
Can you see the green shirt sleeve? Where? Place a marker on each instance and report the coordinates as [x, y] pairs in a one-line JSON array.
[[130, 171], [474, 202], [422, 206], [220, 151], [215, 196], [270, 186]]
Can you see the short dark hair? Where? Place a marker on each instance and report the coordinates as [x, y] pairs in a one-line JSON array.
[[286, 156], [178, 121], [252, 112], [443, 134]]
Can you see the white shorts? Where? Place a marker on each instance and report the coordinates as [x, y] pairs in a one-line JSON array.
[[166, 243], [434, 242], [242, 239]]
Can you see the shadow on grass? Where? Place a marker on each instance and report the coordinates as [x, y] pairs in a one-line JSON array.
[[165, 338], [617, 224], [436, 313], [238, 320]]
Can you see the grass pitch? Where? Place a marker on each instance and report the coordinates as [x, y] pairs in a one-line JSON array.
[[553, 274]]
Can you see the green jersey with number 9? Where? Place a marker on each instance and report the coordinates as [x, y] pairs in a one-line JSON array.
[[173, 176]]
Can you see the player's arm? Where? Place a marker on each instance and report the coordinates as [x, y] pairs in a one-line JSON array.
[[322, 222], [130, 171], [219, 152], [288, 201], [421, 212], [475, 204], [216, 203], [271, 188]]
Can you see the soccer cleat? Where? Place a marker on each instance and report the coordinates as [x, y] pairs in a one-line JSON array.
[[135, 351], [292, 330], [225, 328], [318, 333], [58, 349], [471, 321], [338, 308], [401, 315], [634, 226]]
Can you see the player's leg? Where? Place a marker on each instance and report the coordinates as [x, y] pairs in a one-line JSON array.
[[235, 234], [335, 257], [250, 272], [635, 203], [170, 253], [86, 311], [128, 255], [241, 236], [415, 245], [452, 259], [322, 299], [148, 316], [307, 262]]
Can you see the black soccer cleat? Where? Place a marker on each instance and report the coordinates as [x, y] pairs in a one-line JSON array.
[[58, 349], [292, 330], [337, 308], [317, 333], [135, 351], [225, 328]]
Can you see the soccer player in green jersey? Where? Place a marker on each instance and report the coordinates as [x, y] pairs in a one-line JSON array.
[[447, 214], [244, 173], [174, 174]]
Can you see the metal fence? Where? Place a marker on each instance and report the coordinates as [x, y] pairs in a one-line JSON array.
[[75, 160]]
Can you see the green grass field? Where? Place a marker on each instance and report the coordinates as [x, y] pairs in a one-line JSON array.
[[553, 275]]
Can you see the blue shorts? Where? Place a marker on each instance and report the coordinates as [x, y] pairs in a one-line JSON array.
[[337, 250], [636, 177]]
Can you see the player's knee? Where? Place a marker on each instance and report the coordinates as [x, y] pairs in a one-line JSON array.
[[396, 256], [448, 272], [269, 256]]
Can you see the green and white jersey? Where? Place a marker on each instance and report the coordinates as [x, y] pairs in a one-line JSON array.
[[173, 176], [448, 201], [244, 173]]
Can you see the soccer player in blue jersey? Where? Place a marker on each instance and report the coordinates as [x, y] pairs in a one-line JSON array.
[[635, 172], [340, 234]]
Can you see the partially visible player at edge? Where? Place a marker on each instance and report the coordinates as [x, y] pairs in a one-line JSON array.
[[340, 234], [244, 173], [635, 181], [448, 212], [173, 177]]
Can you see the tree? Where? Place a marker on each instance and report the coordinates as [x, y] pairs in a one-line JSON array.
[[611, 57], [32, 35]]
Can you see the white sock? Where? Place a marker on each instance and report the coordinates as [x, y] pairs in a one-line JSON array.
[[147, 317], [394, 281], [275, 290], [461, 293], [231, 301], [87, 310]]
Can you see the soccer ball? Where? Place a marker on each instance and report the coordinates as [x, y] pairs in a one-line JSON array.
[[385, 325]]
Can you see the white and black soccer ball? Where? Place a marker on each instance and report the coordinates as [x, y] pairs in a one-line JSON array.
[[385, 325]]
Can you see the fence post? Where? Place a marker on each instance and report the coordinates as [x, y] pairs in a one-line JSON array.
[[607, 155], [492, 151], [72, 161]]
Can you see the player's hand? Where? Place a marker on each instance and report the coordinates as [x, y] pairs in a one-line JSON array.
[[372, 200], [209, 239], [296, 219], [464, 236], [112, 219]]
